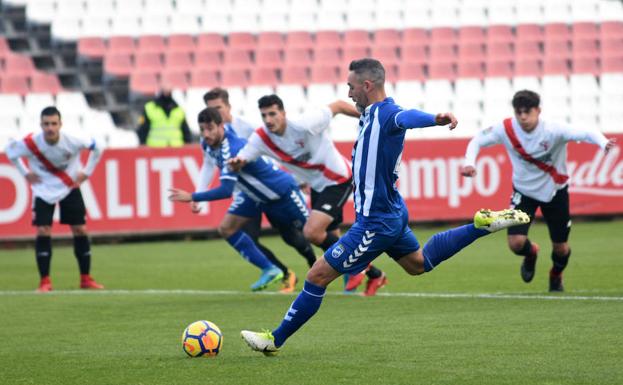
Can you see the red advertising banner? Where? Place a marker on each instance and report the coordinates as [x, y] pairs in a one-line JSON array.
[[127, 193]]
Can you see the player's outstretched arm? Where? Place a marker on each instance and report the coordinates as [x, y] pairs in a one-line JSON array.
[[236, 163], [473, 148], [446, 118], [343, 107], [179, 195]]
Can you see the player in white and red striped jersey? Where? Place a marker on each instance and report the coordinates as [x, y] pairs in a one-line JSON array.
[[304, 147], [55, 175], [538, 153]]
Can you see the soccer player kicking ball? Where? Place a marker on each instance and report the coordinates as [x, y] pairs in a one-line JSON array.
[[538, 153], [381, 223], [55, 176], [271, 190]]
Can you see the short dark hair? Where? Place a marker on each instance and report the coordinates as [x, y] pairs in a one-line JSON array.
[[50, 111], [216, 93], [368, 69], [210, 115], [270, 100], [526, 99]]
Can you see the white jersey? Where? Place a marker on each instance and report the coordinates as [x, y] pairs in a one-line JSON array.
[[547, 143], [64, 155], [305, 149]]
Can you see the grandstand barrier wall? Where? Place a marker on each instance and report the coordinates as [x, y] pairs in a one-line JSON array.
[[127, 193]]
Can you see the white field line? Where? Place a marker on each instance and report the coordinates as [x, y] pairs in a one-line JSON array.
[[498, 296]]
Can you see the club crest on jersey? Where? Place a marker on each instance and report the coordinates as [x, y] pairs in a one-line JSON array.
[[337, 251], [545, 145]]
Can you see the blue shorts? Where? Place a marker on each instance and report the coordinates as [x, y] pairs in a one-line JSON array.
[[290, 210], [369, 238], [243, 206]]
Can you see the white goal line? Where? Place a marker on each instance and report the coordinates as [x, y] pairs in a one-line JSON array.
[[506, 296]]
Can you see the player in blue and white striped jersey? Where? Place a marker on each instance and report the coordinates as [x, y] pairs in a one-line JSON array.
[[274, 192], [381, 223]]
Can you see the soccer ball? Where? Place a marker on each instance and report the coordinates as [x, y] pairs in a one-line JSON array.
[[202, 339]]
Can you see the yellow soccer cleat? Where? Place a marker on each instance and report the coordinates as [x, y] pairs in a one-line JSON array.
[[493, 221]]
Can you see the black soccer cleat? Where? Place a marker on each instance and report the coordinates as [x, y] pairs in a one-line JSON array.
[[528, 266], [555, 282]]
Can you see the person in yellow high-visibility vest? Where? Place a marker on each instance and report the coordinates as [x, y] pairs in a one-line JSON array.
[[163, 123]]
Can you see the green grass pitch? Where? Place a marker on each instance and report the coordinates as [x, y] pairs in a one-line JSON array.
[[471, 321]]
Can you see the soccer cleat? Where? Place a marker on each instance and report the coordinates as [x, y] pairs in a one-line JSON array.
[[45, 285], [493, 221], [354, 280], [87, 282], [269, 275], [289, 282], [555, 282], [529, 264], [374, 284], [260, 342]]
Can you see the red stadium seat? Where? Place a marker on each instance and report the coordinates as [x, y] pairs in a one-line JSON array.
[[298, 74], [443, 35], [442, 70], [328, 39], [178, 60], [298, 56], [151, 43], [556, 66], [471, 69], [242, 41], [611, 29], [264, 76], [471, 35], [472, 52], [386, 54], [204, 78], [4, 47], [14, 84], [415, 36], [391, 72], [528, 67], [387, 37], [45, 83], [118, 65], [148, 61], [235, 77], [442, 53], [500, 33], [325, 74], [529, 32], [499, 50], [585, 48], [499, 69], [299, 39], [211, 42], [181, 43], [613, 64], [19, 65], [557, 32], [411, 71], [528, 49], [414, 54], [208, 59], [357, 38], [584, 31], [175, 78], [268, 58], [328, 56], [270, 40], [354, 53], [145, 83], [585, 65], [93, 47], [121, 44], [611, 48], [557, 49], [238, 58]]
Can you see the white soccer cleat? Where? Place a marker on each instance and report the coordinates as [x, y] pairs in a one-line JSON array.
[[493, 221], [260, 341]]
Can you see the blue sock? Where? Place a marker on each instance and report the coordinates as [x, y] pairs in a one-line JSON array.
[[444, 245], [302, 309], [248, 249]]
